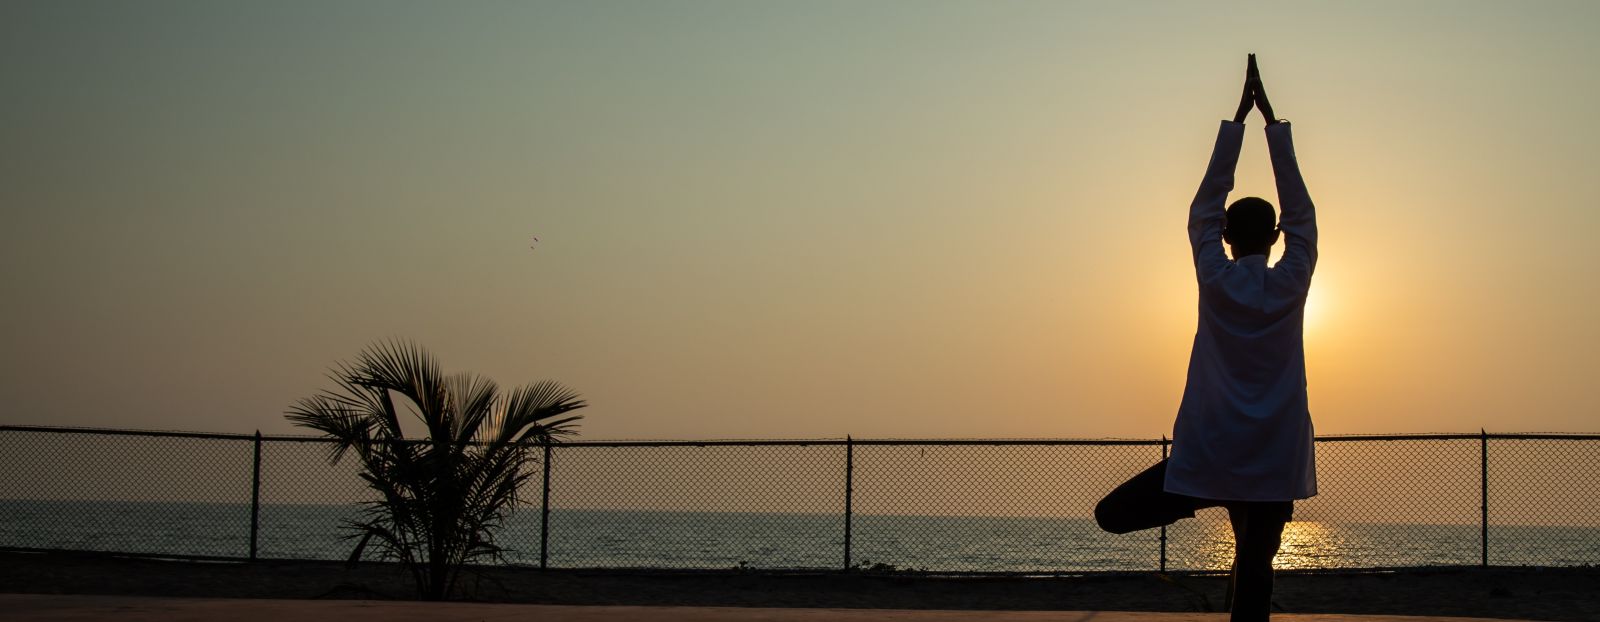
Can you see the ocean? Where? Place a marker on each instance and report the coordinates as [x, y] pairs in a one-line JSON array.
[[596, 538]]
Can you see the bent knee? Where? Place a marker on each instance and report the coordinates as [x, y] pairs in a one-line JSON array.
[[1110, 519]]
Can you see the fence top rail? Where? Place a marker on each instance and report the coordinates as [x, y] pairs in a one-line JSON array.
[[1546, 436], [820, 441], [880, 441], [125, 432]]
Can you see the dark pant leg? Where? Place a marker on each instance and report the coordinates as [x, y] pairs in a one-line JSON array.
[[1257, 533], [1143, 503]]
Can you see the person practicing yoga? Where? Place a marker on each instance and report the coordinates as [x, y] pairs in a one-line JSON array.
[[1243, 436]]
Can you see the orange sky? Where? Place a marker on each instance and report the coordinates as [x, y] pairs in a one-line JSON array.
[[912, 220]]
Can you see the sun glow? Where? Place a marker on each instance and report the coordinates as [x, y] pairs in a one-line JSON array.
[[1322, 306], [1316, 308]]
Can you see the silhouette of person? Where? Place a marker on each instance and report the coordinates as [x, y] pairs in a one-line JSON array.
[[1243, 435]]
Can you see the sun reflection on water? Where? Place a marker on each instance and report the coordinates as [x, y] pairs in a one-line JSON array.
[[1306, 544]]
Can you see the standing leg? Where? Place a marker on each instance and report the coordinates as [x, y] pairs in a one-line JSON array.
[[1143, 503], [1257, 533], [1236, 519]]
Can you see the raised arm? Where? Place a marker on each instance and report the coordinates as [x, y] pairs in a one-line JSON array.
[[1206, 213], [1299, 218]]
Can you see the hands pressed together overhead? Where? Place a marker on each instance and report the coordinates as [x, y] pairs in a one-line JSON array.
[[1254, 95]]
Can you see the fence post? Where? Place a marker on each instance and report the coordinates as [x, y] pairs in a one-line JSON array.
[[544, 513], [1163, 527], [849, 493], [1483, 461], [255, 498]]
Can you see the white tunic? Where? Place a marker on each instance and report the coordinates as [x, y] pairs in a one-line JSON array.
[[1243, 431]]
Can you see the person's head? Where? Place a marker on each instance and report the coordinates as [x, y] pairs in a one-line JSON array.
[[1251, 228]]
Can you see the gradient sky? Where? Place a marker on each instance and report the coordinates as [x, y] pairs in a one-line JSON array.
[[803, 219]]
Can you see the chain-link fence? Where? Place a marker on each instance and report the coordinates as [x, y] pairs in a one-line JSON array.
[[943, 506]]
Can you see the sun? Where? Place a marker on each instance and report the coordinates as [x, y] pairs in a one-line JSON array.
[[1314, 308], [1319, 302]]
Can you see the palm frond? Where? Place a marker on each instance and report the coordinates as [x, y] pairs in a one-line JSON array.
[[407, 369], [528, 405], [472, 399], [355, 555], [345, 424]]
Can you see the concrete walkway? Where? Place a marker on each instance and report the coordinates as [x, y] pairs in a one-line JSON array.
[[38, 608]]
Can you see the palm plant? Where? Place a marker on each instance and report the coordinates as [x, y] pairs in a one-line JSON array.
[[440, 499]]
